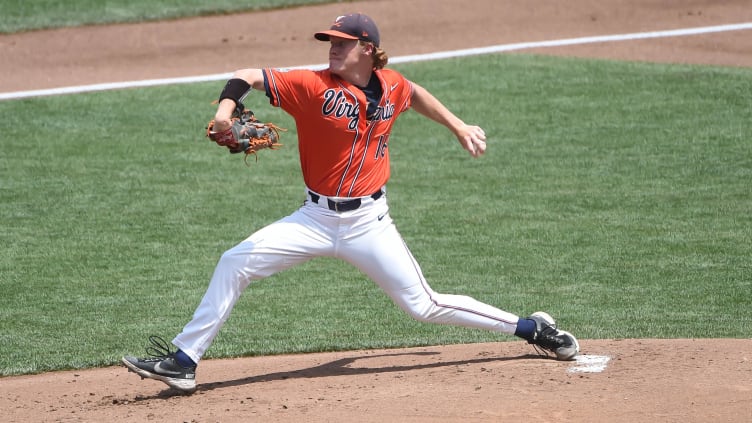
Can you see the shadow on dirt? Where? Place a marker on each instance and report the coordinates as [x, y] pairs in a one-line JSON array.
[[341, 367]]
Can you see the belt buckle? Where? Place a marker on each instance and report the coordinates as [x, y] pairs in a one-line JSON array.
[[344, 206], [333, 205]]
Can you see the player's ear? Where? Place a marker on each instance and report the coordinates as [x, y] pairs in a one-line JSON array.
[[368, 48]]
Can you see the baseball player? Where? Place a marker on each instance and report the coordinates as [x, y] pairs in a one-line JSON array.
[[344, 117]]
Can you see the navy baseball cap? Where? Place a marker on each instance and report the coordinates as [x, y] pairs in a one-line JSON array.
[[355, 26]]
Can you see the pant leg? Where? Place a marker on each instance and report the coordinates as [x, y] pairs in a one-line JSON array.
[[279, 246], [378, 250]]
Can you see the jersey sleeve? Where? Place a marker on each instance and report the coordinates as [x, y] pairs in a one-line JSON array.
[[289, 90], [408, 95], [401, 89]]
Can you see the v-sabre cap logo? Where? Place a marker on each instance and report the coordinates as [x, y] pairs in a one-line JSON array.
[[355, 26]]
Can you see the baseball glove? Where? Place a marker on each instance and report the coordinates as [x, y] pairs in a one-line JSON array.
[[246, 134]]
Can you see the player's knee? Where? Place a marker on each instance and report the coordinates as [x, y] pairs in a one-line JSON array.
[[230, 258], [234, 263], [245, 265], [425, 313], [421, 317], [432, 310]]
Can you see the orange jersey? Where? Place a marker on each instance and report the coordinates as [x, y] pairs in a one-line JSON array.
[[342, 154]]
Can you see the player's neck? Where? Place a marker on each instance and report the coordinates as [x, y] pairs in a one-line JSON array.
[[358, 77]]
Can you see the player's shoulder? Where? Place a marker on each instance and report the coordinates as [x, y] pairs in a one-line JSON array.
[[394, 78], [302, 77], [390, 74], [398, 84], [292, 72]]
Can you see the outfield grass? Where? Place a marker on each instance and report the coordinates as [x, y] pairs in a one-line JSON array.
[[614, 195], [24, 15]]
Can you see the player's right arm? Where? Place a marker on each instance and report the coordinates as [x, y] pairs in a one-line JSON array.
[[253, 77], [471, 137]]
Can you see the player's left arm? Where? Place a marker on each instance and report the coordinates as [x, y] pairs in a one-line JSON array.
[[240, 83], [471, 137]]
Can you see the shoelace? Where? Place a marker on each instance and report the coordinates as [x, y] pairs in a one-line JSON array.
[[159, 349], [547, 340]]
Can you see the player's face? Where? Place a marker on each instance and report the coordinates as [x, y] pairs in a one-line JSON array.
[[344, 55]]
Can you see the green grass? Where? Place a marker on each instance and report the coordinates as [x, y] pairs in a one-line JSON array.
[[21, 15], [614, 195]]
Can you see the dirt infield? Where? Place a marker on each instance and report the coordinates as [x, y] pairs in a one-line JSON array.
[[644, 381], [680, 380], [213, 45]]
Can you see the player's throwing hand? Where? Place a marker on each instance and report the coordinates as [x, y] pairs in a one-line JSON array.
[[472, 139]]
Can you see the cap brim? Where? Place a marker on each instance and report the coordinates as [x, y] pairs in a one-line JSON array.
[[324, 35]]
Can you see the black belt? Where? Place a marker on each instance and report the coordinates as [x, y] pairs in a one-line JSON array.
[[343, 206]]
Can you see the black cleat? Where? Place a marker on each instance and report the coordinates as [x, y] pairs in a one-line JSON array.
[[162, 366], [548, 338]]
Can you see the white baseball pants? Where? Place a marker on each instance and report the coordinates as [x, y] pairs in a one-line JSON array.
[[365, 237]]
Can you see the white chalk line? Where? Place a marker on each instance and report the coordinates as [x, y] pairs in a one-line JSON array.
[[401, 59], [589, 364]]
